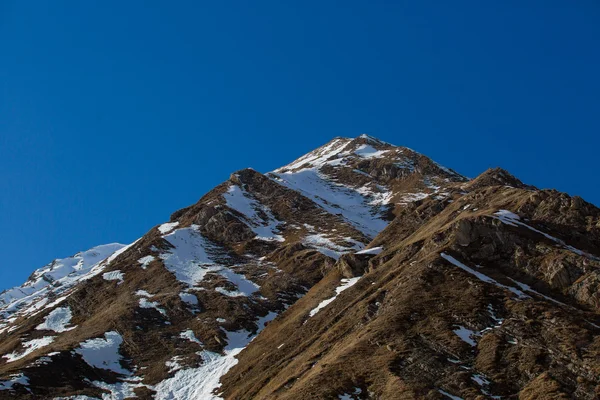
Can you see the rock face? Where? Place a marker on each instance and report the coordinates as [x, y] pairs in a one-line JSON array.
[[361, 270]]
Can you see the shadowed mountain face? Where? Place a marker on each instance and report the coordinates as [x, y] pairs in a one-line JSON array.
[[361, 270]]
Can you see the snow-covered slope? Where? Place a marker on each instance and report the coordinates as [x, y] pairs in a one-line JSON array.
[[46, 285], [345, 178]]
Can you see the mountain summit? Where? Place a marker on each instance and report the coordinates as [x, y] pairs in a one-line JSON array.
[[361, 270]]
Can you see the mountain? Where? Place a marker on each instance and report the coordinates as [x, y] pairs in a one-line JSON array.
[[362, 270]]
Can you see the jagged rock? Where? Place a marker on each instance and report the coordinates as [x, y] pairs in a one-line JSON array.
[[465, 234], [351, 265], [587, 289]]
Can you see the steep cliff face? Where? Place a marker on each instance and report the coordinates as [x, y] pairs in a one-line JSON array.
[[167, 316]]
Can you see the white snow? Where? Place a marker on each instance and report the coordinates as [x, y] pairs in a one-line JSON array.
[[359, 206], [143, 293], [57, 320], [449, 395], [245, 287], [103, 353], [482, 277], [14, 379], [173, 364], [326, 246], [412, 197], [189, 260], [480, 380], [53, 280], [117, 253], [346, 283], [146, 260], [350, 396], [363, 206], [229, 293], [466, 335], [119, 390], [57, 301], [497, 319], [189, 335], [168, 227], [368, 151], [199, 383], [30, 346], [116, 275], [528, 288], [257, 216], [188, 298], [358, 171], [512, 219], [373, 250], [145, 303], [320, 156]]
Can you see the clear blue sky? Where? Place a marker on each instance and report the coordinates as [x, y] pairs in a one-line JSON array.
[[115, 114]]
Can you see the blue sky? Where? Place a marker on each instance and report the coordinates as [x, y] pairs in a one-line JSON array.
[[115, 114]]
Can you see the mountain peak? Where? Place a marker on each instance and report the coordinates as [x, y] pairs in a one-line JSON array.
[[371, 139], [175, 313]]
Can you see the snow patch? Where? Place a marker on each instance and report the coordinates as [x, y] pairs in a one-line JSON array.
[[201, 382], [482, 277], [57, 320], [167, 227], [146, 260], [512, 219], [189, 335], [528, 288], [450, 395], [320, 156], [368, 151], [245, 287], [14, 379], [116, 275], [188, 298], [412, 197], [103, 353], [361, 207], [173, 364], [466, 335], [373, 250], [256, 215], [346, 283], [53, 280], [189, 260], [327, 247], [119, 390], [350, 396], [30, 346], [144, 303]]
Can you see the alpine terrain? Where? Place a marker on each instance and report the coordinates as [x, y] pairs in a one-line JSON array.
[[362, 270]]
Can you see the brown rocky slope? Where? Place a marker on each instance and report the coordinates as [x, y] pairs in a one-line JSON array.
[[465, 300], [483, 288]]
